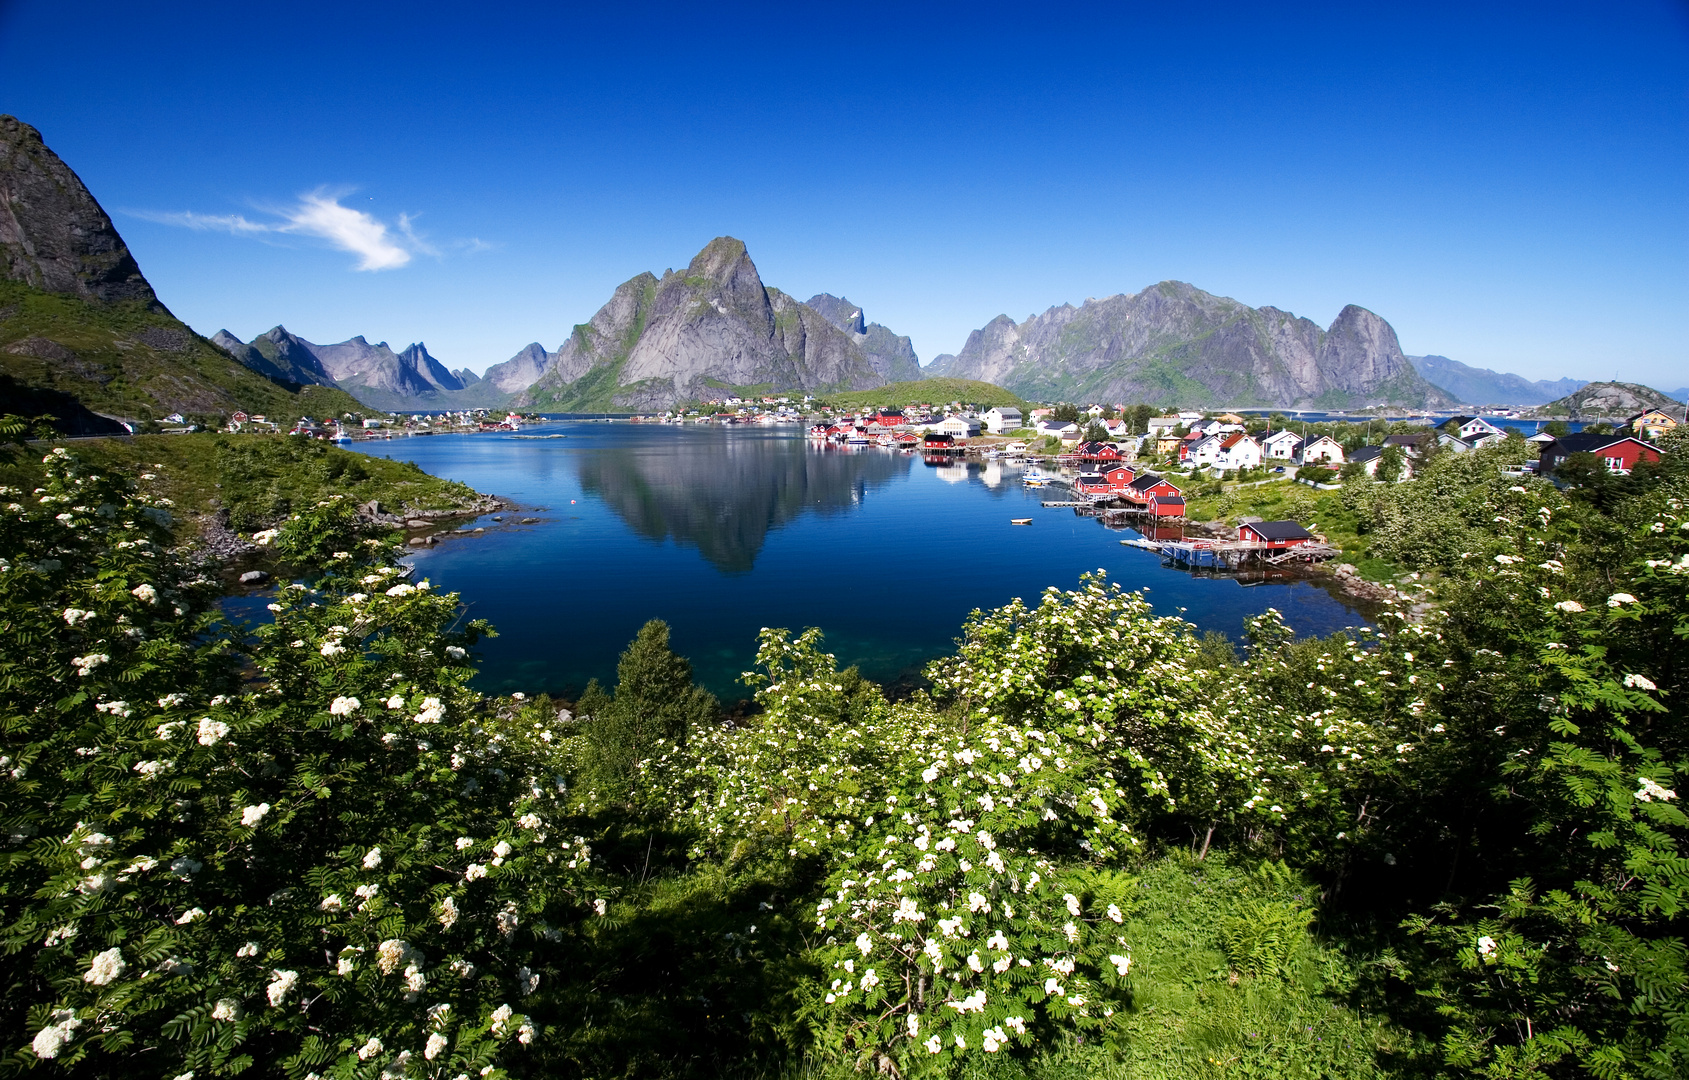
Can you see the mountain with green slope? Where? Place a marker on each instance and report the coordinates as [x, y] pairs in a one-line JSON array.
[[714, 327], [82, 331], [1173, 343], [1600, 400]]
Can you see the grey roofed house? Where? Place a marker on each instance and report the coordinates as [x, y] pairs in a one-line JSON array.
[[1584, 442], [1280, 530], [1365, 454], [1453, 442], [1413, 444]]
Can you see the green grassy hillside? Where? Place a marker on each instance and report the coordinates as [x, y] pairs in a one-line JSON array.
[[940, 391], [124, 360], [257, 479]]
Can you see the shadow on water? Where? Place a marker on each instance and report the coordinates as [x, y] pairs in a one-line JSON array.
[[723, 493]]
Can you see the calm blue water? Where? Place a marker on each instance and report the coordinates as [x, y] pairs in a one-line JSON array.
[[721, 531]]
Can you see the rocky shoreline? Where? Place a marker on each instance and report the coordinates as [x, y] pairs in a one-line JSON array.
[[217, 545]]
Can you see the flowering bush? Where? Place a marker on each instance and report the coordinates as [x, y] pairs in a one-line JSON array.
[[229, 848]]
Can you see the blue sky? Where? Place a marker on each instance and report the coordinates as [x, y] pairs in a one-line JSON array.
[[1506, 185]]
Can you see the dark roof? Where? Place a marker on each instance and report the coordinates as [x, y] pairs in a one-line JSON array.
[[1585, 443], [1171, 500], [1459, 421], [1365, 454], [1145, 482], [1091, 478], [1406, 440], [1279, 530]]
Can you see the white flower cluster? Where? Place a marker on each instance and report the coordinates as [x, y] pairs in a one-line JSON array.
[[60, 1029]]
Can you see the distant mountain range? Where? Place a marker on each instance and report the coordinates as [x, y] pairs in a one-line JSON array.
[[1173, 343], [374, 374], [1481, 386], [83, 336]]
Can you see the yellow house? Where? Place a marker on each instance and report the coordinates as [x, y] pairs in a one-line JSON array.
[[1230, 418], [1651, 424], [1167, 444]]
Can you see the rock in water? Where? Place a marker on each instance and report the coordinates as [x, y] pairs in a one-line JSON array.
[[53, 233], [254, 577]]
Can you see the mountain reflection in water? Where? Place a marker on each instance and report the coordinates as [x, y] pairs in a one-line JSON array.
[[723, 493], [724, 531]]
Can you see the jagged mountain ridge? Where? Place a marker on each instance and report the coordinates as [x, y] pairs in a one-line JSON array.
[[1481, 386], [83, 336], [1173, 343], [892, 355], [659, 341], [374, 374]]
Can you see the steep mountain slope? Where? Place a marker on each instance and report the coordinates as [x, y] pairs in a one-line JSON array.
[[53, 234], [892, 355], [522, 370], [81, 327], [1610, 399], [1173, 343], [1481, 386], [661, 341]]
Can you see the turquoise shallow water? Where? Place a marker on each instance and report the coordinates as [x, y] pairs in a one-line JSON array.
[[721, 531]]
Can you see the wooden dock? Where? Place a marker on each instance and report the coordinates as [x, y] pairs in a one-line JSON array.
[[1233, 554]]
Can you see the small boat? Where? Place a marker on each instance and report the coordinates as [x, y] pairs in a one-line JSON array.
[[1020, 521]]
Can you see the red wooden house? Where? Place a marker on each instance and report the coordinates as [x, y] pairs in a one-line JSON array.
[[1094, 485], [1279, 534], [908, 439], [1620, 453], [1119, 476], [1149, 486], [1167, 506], [939, 442]]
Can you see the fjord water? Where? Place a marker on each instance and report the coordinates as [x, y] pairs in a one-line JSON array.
[[723, 530]]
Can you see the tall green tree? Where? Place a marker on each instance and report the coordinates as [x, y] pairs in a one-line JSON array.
[[655, 704]]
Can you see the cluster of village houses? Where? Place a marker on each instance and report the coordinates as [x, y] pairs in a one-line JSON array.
[[419, 424]]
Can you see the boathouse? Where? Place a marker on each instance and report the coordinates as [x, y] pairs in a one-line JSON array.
[[1167, 506], [1278, 534]]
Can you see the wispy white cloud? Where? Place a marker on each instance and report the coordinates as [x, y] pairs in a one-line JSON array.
[[187, 219], [318, 214]]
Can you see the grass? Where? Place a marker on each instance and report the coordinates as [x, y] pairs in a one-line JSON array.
[[1193, 1013], [257, 479], [127, 361], [1283, 500], [926, 392]]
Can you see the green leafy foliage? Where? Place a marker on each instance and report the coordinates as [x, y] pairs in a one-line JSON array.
[[1100, 844]]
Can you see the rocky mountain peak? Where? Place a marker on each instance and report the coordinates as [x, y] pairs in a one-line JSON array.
[[840, 312], [53, 233]]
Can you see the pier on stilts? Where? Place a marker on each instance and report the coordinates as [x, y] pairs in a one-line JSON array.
[[1237, 554]]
